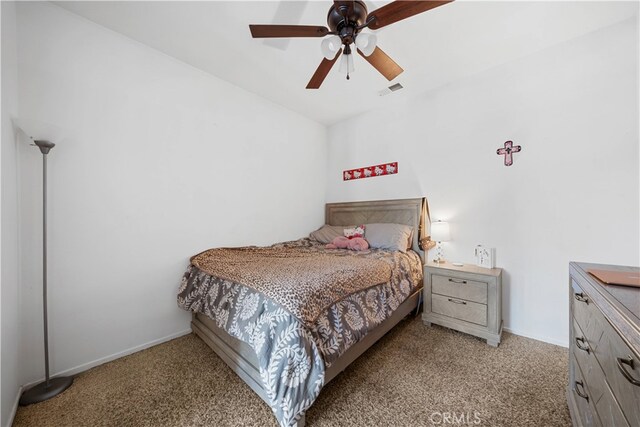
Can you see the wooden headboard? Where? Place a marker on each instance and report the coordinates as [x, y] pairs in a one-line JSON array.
[[403, 211]]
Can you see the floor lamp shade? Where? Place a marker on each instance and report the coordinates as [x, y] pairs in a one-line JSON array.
[[39, 130], [50, 387]]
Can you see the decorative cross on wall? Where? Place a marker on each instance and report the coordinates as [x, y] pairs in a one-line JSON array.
[[508, 151]]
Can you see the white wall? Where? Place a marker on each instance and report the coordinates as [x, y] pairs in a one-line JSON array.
[[572, 193], [160, 161], [9, 292]]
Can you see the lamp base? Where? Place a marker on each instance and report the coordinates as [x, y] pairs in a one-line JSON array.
[[41, 392]]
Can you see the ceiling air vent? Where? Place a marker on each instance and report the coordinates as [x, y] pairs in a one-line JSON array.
[[392, 88]]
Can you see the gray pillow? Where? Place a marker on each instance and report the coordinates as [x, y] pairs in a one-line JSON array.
[[327, 233], [394, 237]]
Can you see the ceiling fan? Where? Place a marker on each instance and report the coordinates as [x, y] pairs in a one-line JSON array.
[[346, 20]]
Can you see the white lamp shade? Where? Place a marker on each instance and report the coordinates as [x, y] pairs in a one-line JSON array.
[[36, 129], [440, 231], [330, 46], [366, 42]]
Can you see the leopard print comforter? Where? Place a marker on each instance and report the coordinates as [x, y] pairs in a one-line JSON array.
[[299, 306], [302, 276]]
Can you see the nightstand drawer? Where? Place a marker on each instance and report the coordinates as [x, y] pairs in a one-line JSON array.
[[464, 297], [459, 309], [465, 289]]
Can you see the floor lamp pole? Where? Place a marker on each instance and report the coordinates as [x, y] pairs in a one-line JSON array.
[[50, 387], [44, 269]]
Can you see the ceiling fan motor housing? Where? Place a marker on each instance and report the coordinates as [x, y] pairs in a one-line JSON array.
[[346, 18]]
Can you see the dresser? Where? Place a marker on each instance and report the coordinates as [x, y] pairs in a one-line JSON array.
[[467, 298], [604, 349]]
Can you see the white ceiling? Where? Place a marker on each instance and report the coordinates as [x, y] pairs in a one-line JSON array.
[[434, 48]]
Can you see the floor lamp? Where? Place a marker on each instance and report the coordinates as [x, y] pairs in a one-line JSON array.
[[50, 387]]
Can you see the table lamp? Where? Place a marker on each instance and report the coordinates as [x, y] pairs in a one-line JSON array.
[[440, 233]]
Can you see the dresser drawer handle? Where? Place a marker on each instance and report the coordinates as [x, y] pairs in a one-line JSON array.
[[457, 301], [623, 370], [580, 297], [582, 394], [582, 340], [458, 281]]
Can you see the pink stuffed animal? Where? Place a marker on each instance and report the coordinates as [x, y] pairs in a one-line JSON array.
[[355, 244]]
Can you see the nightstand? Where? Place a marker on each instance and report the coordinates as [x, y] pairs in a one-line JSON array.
[[467, 299]]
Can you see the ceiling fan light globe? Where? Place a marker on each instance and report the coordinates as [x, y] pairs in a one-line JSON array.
[[366, 42], [330, 46]]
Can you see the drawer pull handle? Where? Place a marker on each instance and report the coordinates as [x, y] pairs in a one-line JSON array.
[[582, 394], [623, 370], [458, 281], [580, 297], [582, 340], [457, 301]]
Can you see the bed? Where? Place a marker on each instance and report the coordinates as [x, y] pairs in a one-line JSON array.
[[307, 344]]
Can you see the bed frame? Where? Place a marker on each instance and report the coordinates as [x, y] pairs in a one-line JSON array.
[[240, 356]]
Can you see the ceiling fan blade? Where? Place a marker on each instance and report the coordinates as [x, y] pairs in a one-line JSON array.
[[266, 31], [322, 71], [399, 10], [383, 63]]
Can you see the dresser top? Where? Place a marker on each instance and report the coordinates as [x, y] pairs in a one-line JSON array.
[[626, 298], [466, 268]]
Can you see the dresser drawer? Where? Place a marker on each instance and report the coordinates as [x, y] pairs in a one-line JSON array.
[[459, 309], [465, 289], [588, 317], [581, 395], [612, 356], [604, 349], [607, 347], [600, 394]]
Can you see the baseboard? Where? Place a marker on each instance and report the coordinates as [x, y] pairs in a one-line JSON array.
[[537, 338], [86, 366], [12, 414]]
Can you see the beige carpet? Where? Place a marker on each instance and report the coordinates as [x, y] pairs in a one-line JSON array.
[[414, 376]]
